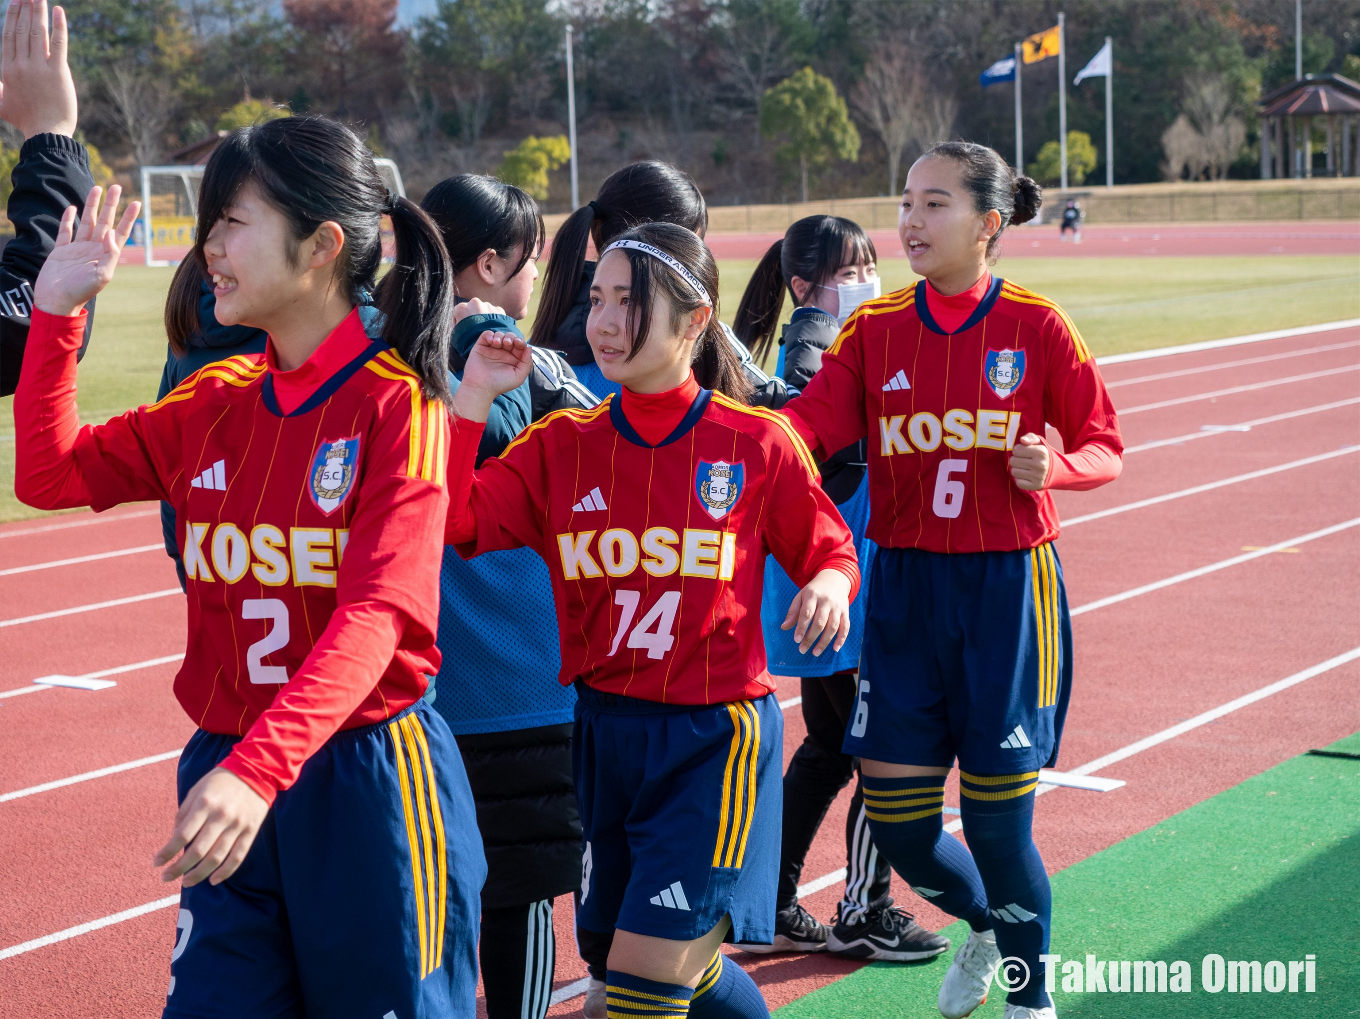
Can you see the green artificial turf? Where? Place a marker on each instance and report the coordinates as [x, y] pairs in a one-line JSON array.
[[1267, 870]]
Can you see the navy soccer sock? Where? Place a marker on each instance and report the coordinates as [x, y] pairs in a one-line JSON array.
[[906, 819], [726, 991], [998, 813], [630, 997]]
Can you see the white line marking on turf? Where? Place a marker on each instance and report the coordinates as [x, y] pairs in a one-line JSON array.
[[81, 559], [1139, 379], [1245, 557], [78, 523], [86, 928], [792, 702], [1210, 486], [1232, 390], [117, 670], [89, 608], [1231, 341], [571, 990], [113, 769], [1177, 440]]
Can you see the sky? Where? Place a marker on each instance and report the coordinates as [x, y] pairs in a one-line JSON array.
[[409, 10]]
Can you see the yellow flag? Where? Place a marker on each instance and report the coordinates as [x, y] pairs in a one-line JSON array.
[[1040, 46]]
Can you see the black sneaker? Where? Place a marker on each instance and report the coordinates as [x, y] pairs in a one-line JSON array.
[[795, 930], [889, 934]]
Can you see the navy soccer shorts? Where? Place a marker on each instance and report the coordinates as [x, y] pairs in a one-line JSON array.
[[680, 810], [360, 896], [966, 655]]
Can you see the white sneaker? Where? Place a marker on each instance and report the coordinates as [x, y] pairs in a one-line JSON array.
[[595, 1006], [970, 975], [1021, 1012]]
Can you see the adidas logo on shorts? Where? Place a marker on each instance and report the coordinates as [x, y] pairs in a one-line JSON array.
[[1015, 740], [594, 500], [671, 898]]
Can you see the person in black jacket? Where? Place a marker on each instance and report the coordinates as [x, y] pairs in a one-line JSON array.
[[828, 266], [39, 98]]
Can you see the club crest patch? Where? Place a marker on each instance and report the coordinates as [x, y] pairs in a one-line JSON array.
[[718, 486], [332, 474], [1005, 371]]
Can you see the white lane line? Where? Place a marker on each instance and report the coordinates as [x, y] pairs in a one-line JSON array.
[[1243, 426], [89, 608], [1231, 341], [1236, 560], [1210, 486], [81, 559], [790, 703], [86, 928], [817, 884], [117, 670], [78, 523], [1232, 390], [114, 769], [571, 990], [1219, 366]]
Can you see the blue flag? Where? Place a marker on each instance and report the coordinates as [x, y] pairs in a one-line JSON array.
[[1002, 70]]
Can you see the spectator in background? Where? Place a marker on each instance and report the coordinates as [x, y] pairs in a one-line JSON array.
[[1071, 220]]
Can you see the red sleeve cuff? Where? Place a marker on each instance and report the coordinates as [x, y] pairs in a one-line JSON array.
[[849, 567], [1091, 466]]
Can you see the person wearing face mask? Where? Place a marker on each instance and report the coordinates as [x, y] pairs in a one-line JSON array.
[[827, 264]]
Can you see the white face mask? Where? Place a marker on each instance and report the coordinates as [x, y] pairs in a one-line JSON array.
[[852, 295]]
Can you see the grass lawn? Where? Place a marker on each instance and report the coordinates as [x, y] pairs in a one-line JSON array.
[[1119, 304]]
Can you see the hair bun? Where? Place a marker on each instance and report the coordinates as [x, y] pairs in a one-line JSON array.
[[1029, 196]]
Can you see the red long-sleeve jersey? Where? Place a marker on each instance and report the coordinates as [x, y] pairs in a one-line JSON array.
[[310, 539], [657, 553], [942, 412]]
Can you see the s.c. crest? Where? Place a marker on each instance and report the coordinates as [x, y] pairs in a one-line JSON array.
[[332, 474], [718, 486], [1005, 371]]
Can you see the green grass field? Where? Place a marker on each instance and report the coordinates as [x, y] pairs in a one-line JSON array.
[[1119, 304]]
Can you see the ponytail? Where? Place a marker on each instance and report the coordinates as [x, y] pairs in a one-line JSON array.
[[717, 366], [761, 304], [416, 297], [562, 281]]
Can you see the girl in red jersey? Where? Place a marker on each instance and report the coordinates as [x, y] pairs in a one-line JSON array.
[[654, 513], [967, 644], [321, 798]]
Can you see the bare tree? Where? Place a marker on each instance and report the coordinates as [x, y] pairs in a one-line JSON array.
[[139, 105], [900, 103], [1212, 110], [761, 40], [938, 114]]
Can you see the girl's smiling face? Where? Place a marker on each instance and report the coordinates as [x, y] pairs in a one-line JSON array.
[[941, 231]]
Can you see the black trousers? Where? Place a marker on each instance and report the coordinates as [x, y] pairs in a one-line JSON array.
[[817, 773], [518, 953]]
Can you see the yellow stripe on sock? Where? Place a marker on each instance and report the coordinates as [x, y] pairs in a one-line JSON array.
[[914, 816], [1004, 794], [997, 779]]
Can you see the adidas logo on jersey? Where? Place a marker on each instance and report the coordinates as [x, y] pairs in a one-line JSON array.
[[672, 897], [1013, 913], [897, 383], [593, 501], [214, 478], [1015, 740]]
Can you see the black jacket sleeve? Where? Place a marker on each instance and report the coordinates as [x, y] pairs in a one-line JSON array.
[[553, 385], [53, 172], [765, 391]]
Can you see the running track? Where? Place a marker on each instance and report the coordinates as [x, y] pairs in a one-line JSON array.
[[1231, 451]]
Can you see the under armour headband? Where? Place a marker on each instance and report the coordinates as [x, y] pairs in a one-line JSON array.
[[670, 260]]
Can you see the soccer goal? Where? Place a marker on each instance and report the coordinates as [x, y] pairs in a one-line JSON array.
[[170, 208]]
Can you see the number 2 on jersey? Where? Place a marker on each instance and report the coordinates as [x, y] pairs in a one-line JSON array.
[[653, 631], [275, 639]]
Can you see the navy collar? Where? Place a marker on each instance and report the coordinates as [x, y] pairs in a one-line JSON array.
[[691, 418], [980, 312], [326, 389]]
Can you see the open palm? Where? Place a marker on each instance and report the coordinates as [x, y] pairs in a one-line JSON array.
[[86, 254]]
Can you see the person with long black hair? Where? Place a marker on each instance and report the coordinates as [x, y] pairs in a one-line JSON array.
[[498, 626], [643, 192], [326, 836], [827, 265]]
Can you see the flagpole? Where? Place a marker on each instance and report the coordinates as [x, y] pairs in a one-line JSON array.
[[1019, 124], [571, 128], [1109, 116], [1062, 100]]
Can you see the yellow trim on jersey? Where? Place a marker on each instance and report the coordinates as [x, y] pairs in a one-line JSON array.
[[577, 414], [413, 456], [1020, 295], [228, 371], [898, 300], [738, 807], [799, 446]]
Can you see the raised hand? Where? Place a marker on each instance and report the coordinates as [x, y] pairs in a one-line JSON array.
[[1029, 463], [84, 258], [475, 306], [497, 363], [37, 94]]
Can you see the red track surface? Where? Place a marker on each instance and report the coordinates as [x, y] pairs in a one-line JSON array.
[[83, 852]]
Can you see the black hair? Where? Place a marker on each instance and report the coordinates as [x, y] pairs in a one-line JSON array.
[[812, 249], [716, 365], [475, 213], [314, 170], [993, 184], [646, 192]]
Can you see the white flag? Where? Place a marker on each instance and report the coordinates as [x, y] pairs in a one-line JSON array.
[[1099, 67]]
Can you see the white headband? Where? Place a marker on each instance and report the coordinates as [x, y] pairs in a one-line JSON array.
[[655, 252]]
